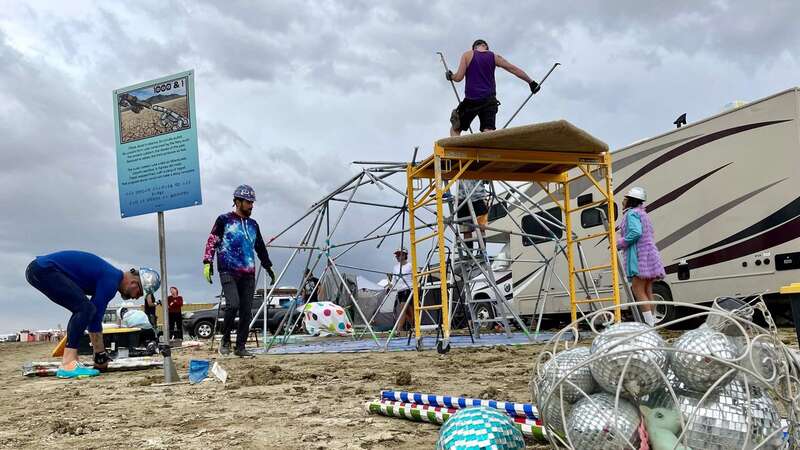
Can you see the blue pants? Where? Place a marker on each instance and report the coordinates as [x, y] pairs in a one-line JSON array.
[[59, 288]]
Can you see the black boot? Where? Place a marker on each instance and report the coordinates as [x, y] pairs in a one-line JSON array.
[[243, 353], [225, 347]]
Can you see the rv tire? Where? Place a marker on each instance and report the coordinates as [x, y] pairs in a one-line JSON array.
[[664, 313], [484, 311]]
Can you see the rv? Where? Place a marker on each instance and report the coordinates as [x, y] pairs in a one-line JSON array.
[[724, 197]]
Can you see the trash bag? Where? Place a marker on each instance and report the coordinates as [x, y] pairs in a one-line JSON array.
[[326, 319]]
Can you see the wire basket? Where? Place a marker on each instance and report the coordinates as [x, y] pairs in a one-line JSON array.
[[728, 384]]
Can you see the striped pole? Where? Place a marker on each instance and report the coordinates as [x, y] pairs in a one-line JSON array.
[[513, 409], [49, 368], [439, 415]]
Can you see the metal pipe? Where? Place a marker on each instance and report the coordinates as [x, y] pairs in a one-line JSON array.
[[170, 373], [531, 95], [455, 91], [291, 247], [380, 163], [355, 303], [280, 277], [359, 202], [425, 225], [315, 207]]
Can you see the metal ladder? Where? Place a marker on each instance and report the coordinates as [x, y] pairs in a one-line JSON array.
[[430, 284], [421, 278], [470, 266], [573, 243]]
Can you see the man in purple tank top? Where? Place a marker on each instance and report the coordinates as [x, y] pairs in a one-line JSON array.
[[478, 65]]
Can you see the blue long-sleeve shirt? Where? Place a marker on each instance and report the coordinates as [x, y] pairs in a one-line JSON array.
[[92, 274]]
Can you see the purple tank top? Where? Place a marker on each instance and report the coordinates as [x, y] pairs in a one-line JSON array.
[[480, 76]]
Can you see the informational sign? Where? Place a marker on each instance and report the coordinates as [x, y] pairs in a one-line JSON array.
[[156, 135]]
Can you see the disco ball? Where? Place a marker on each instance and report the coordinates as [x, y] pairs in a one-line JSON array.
[[151, 281], [756, 407], [479, 428], [691, 359], [595, 423], [580, 379], [633, 347], [726, 420], [575, 385]]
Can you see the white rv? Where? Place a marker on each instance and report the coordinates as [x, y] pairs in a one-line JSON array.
[[724, 196]]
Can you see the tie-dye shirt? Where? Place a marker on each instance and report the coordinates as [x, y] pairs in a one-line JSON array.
[[236, 241]]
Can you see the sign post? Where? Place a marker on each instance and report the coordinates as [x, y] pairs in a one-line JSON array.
[[158, 167]]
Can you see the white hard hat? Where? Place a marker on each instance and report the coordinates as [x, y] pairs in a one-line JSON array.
[[638, 193], [150, 280], [401, 250]]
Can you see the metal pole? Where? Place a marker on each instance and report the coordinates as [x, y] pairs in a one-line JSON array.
[[316, 206], [455, 91], [380, 163], [265, 304], [170, 373], [531, 95]]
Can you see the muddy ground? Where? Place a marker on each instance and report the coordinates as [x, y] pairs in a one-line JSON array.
[[280, 401], [277, 401]]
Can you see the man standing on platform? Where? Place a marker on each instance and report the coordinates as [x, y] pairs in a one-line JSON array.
[[236, 239], [478, 66]]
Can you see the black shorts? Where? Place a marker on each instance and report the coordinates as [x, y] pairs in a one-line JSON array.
[[485, 109], [479, 206], [402, 296]]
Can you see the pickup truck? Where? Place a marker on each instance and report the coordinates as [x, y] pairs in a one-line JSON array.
[[200, 324]]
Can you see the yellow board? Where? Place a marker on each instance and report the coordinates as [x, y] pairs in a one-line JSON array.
[[62, 344], [59, 350], [793, 288]]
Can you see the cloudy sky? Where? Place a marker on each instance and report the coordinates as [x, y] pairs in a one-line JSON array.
[[289, 93]]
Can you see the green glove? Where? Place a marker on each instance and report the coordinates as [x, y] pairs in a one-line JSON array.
[[208, 271], [271, 274]]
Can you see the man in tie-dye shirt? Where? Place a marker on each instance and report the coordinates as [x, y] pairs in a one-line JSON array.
[[236, 239]]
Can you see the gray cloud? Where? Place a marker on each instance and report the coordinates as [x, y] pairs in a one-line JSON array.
[[289, 92]]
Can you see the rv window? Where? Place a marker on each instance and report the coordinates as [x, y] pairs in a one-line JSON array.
[[531, 226], [585, 199], [593, 217], [498, 210]]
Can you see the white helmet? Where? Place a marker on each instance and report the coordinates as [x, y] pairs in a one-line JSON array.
[[150, 280], [638, 193], [401, 250]]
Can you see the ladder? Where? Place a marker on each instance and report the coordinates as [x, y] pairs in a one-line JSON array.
[[574, 241], [471, 265], [420, 278]]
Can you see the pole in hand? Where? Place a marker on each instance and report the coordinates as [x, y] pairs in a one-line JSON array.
[[530, 95], [453, 85]]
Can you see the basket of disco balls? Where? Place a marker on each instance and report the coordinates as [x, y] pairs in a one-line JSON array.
[[723, 380]]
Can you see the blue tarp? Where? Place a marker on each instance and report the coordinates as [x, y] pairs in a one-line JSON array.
[[400, 344]]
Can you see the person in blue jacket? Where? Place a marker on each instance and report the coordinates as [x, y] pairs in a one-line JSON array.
[[67, 278], [636, 239]]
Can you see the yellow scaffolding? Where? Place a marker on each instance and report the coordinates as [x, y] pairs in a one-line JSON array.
[[547, 154]]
